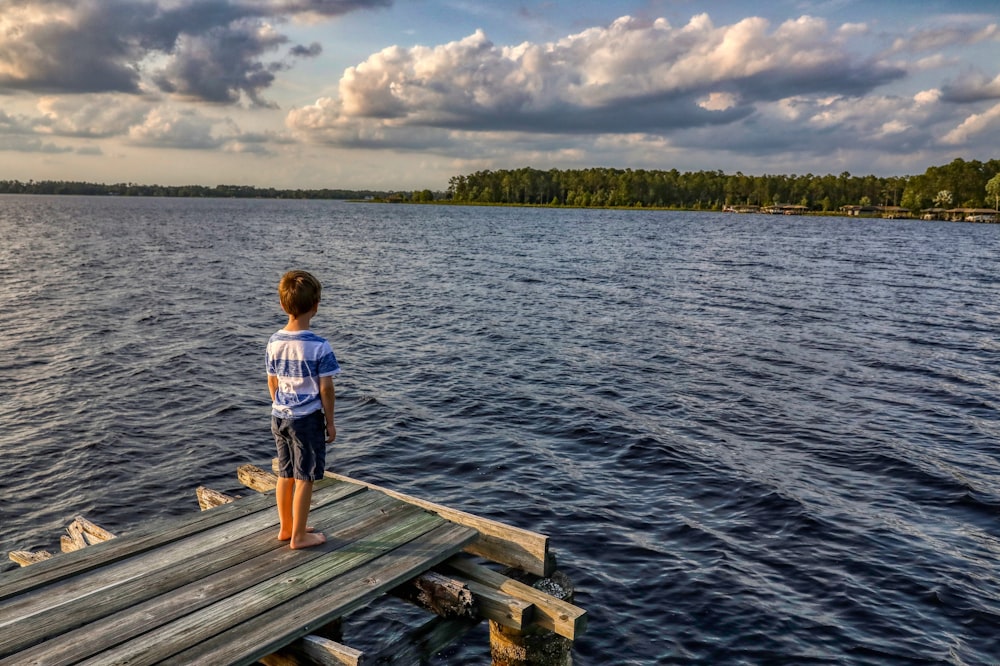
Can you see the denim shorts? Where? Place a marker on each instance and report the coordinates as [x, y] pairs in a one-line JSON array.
[[301, 446]]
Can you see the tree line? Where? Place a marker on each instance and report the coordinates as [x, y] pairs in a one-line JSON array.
[[136, 190], [965, 181]]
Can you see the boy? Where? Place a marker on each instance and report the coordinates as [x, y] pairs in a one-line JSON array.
[[300, 370]]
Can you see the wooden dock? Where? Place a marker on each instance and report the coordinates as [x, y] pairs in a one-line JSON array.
[[217, 587]]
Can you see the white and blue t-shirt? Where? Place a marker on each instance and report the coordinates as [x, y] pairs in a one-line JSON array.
[[298, 359]]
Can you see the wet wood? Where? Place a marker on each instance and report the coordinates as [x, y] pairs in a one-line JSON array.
[[439, 594], [560, 617]]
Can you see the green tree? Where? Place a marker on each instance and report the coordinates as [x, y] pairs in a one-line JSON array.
[[993, 189]]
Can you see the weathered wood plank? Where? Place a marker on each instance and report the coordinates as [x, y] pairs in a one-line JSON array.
[[194, 628], [311, 650], [215, 573], [553, 614], [106, 574], [501, 607], [97, 594], [153, 535], [459, 597], [439, 594], [269, 631]]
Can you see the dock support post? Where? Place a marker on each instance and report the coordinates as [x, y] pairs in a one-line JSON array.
[[534, 646]]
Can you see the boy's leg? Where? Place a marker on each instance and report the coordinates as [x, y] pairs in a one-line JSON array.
[[311, 455], [284, 495], [302, 537]]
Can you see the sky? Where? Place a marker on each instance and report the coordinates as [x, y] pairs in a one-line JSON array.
[[405, 94]]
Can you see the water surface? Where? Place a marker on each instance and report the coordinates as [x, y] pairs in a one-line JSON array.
[[751, 439]]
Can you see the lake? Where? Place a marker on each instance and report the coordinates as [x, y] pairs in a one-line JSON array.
[[752, 439]]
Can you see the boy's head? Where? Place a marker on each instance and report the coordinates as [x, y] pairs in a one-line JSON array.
[[299, 292]]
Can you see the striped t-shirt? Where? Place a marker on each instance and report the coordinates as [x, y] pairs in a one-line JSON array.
[[298, 359]]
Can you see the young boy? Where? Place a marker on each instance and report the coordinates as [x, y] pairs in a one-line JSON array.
[[300, 370]]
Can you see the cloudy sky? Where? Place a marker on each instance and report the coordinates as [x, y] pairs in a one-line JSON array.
[[404, 94]]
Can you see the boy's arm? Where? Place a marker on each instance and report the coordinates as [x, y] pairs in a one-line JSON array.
[[272, 385], [328, 397]]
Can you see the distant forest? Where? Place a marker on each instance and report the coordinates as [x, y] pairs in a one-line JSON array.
[[136, 190], [960, 183]]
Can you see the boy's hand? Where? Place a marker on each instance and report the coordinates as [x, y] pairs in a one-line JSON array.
[[331, 432]]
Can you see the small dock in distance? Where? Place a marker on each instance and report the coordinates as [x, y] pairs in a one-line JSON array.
[[217, 587]]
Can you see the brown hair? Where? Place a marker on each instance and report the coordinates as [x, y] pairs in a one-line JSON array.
[[299, 292]]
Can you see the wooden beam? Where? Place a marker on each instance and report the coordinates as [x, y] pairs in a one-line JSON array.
[[456, 598], [558, 616], [443, 596], [311, 650], [500, 607], [504, 544]]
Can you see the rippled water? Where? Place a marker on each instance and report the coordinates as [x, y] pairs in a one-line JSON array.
[[751, 439]]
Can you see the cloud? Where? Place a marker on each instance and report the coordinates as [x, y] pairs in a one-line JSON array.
[[961, 33], [223, 63], [211, 50], [173, 128], [972, 87], [95, 116], [631, 76], [17, 134], [986, 124]]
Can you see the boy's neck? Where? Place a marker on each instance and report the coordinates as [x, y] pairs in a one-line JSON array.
[[300, 323]]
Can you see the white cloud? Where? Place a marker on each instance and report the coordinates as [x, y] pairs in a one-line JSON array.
[[173, 128], [90, 116], [718, 101], [973, 127], [630, 76]]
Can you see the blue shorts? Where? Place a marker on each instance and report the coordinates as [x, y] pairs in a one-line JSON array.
[[301, 446]]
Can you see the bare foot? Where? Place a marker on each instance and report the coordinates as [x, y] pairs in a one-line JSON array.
[[282, 536], [309, 540]]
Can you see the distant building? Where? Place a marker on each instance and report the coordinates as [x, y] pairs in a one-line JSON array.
[[890, 212], [786, 209]]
